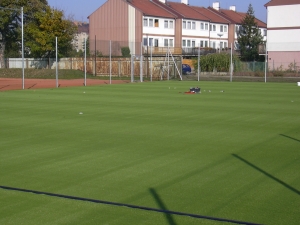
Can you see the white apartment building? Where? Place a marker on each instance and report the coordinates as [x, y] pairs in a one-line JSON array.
[[283, 40]]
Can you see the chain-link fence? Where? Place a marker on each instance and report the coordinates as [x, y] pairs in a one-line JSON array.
[[110, 60]]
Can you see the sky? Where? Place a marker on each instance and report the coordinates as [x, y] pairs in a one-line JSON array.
[[80, 9]]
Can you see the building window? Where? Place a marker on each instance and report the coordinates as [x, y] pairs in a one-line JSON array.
[[225, 44], [202, 26], [221, 28], [156, 24], [201, 44], [265, 32], [171, 24], [184, 24], [150, 22], [166, 23], [155, 42], [225, 29], [150, 41], [193, 44], [189, 25], [212, 27], [145, 41], [193, 25], [145, 22], [183, 43], [171, 43], [206, 43], [188, 43], [166, 42], [206, 26]]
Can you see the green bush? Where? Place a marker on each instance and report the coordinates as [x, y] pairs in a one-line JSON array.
[[125, 51], [218, 61]]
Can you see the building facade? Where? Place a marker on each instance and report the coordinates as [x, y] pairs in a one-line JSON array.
[[164, 25], [283, 40], [81, 35]]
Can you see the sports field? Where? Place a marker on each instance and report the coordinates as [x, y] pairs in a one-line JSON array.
[[146, 153]]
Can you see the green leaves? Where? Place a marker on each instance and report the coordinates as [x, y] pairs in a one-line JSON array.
[[42, 25], [43, 32], [219, 62], [249, 37]]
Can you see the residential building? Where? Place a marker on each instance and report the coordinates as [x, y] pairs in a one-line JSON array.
[[81, 35], [128, 21], [283, 41], [235, 19], [218, 28], [164, 24]]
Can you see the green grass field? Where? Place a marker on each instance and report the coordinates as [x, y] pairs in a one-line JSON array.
[[233, 155]]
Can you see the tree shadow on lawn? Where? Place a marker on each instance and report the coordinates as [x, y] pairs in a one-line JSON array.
[[289, 137], [267, 174]]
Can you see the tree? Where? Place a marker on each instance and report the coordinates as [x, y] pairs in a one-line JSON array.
[[249, 37], [43, 30], [10, 23], [41, 25]]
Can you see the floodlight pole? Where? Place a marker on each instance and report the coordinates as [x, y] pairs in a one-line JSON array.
[[266, 61], [220, 35], [199, 62], [151, 61], [84, 61], [231, 64], [23, 76], [141, 63], [168, 62], [56, 62], [110, 62]]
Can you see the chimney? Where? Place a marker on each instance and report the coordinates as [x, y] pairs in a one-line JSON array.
[[185, 2], [163, 1], [232, 8], [216, 5]]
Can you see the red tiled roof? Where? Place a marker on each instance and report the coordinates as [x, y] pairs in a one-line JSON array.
[[149, 8], [282, 2], [165, 6], [186, 11], [236, 17], [214, 17]]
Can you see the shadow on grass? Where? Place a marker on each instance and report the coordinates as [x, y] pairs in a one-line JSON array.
[[267, 174], [169, 217], [290, 137], [162, 206]]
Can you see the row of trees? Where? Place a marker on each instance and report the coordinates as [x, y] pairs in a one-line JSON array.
[[41, 25]]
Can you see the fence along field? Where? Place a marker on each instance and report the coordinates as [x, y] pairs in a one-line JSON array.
[[152, 63], [120, 69]]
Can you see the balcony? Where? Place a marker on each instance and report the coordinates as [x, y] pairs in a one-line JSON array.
[[193, 51], [161, 50]]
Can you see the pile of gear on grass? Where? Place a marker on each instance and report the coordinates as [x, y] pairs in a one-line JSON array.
[[194, 90]]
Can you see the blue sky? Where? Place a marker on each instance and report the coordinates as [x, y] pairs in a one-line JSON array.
[[81, 9]]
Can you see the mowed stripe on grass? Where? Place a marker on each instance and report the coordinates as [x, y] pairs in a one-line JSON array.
[[130, 139]]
